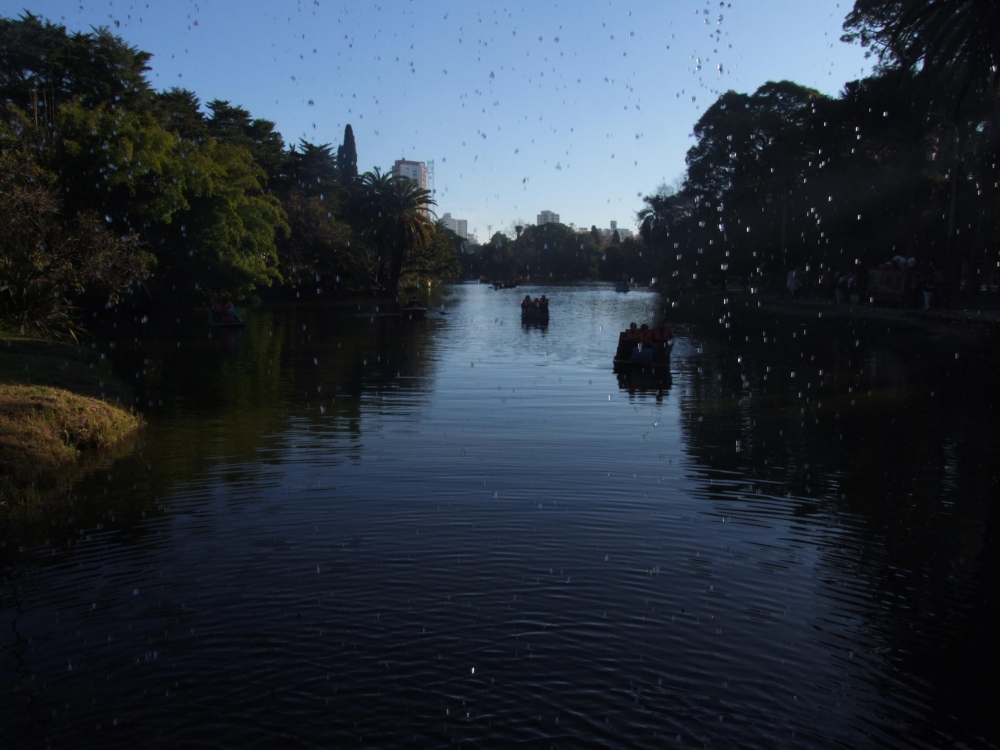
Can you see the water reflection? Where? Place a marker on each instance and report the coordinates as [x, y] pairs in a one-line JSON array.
[[478, 530], [639, 382]]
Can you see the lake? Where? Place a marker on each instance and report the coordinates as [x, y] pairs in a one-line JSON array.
[[342, 528]]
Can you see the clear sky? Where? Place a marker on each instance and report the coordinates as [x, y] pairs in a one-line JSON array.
[[576, 107]]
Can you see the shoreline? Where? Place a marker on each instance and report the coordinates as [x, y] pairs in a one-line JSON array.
[[967, 332], [59, 404]]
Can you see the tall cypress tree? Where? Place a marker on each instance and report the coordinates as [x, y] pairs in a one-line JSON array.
[[347, 159]]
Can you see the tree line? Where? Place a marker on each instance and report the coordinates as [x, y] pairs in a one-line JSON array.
[[901, 163], [557, 252], [109, 190]]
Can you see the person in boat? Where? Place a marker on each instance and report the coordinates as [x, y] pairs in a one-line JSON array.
[[543, 302], [526, 302]]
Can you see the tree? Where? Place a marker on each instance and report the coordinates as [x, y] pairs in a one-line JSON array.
[[199, 207], [313, 170], [956, 42], [438, 259], [390, 215], [42, 67], [46, 256], [347, 159], [179, 111], [316, 248], [233, 126]]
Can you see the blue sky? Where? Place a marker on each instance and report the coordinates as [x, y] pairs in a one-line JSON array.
[[576, 107]]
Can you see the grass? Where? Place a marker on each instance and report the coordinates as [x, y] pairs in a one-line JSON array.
[[52, 414], [43, 430]]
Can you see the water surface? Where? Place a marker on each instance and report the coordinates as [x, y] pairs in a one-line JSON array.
[[342, 528]]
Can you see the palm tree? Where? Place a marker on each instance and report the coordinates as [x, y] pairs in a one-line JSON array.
[[957, 41], [392, 216]]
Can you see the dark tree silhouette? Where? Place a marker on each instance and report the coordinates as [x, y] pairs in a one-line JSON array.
[[347, 159]]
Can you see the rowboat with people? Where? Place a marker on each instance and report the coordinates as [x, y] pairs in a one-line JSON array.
[[413, 310], [644, 348], [224, 315], [534, 309]]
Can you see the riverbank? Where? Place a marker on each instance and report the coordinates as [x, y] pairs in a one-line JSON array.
[[58, 403], [969, 332]]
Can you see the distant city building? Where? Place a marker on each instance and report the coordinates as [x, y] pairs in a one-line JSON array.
[[623, 233], [547, 217], [458, 226], [415, 170]]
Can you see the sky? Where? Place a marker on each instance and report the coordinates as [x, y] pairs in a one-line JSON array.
[[580, 108]]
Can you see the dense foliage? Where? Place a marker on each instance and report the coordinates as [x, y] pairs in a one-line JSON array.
[[903, 163], [549, 251], [183, 201]]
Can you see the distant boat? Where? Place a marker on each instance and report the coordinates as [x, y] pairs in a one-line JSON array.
[[224, 316], [413, 310], [622, 286]]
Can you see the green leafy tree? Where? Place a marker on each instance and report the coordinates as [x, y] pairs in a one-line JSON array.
[[47, 256], [43, 67], [316, 251], [179, 111], [225, 243], [200, 207], [313, 170], [234, 126]]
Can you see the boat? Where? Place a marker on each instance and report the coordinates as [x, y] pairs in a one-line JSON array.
[[535, 313], [224, 316], [498, 284], [413, 310], [622, 286], [644, 356]]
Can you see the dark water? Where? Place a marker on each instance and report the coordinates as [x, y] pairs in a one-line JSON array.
[[345, 530]]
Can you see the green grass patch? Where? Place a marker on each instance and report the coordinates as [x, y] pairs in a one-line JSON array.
[[57, 405], [44, 430]]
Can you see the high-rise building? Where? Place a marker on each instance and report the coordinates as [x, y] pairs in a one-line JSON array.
[[415, 170], [458, 226], [547, 217], [623, 233]]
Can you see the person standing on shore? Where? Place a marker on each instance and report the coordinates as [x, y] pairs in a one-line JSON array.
[[929, 288]]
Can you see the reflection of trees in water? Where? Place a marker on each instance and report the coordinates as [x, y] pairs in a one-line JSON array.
[[905, 483], [226, 405]]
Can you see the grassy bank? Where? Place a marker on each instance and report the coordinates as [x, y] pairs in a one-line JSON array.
[[57, 404]]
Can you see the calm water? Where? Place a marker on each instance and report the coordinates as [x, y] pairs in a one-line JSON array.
[[342, 529]]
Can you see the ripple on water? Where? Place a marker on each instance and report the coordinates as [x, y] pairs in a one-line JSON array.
[[485, 549]]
